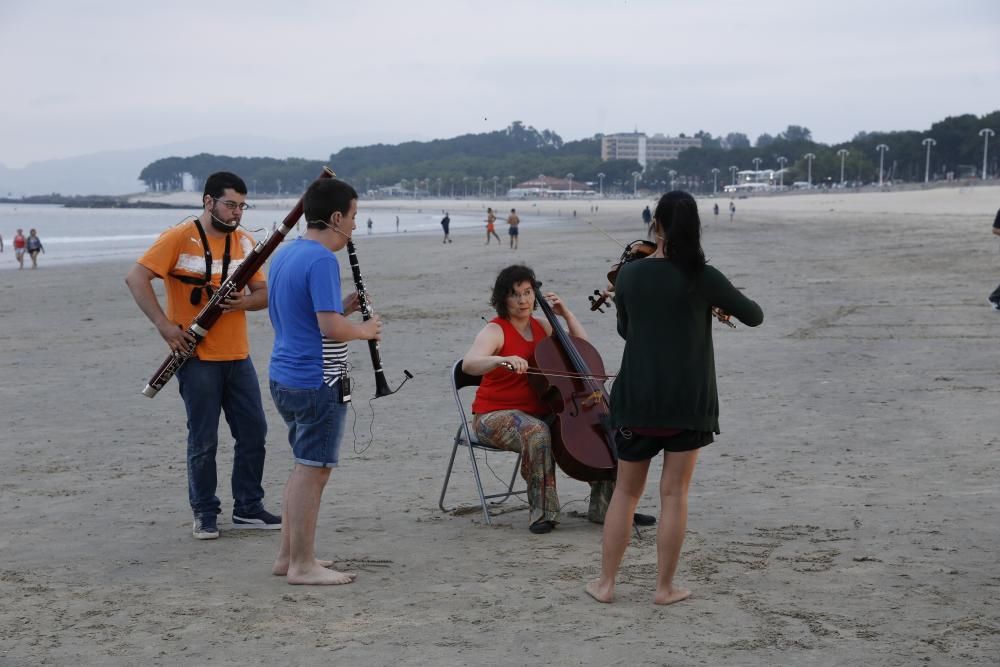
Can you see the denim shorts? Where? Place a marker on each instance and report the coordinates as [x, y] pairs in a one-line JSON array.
[[315, 419]]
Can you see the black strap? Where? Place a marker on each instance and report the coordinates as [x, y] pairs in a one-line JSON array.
[[188, 280]]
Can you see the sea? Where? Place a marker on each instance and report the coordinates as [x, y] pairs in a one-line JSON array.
[[80, 235]]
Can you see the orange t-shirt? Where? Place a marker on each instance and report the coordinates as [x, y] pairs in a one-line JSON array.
[[178, 250]]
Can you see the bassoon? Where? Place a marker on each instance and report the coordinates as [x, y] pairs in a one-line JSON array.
[[381, 385], [210, 314]]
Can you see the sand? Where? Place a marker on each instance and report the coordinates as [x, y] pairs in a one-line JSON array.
[[847, 514]]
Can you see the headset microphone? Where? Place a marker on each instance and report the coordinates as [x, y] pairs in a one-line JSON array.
[[222, 226]]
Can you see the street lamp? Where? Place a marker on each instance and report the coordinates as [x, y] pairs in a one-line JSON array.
[[541, 184], [843, 153], [480, 179], [495, 179], [881, 148], [927, 165], [810, 157], [672, 173], [510, 183], [985, 133], [732, 170], [756, 169], [635, 183], [782, 161], [569, 176], [439, 187], [715, 180], [465, 186], [600, 178]]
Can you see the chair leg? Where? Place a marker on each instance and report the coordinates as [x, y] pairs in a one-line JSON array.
[[504, 497], [479, 484], [447, 475]]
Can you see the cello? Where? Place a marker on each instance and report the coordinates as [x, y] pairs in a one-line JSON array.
[[582, 441]]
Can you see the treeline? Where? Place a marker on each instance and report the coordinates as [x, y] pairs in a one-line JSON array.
[[474, 163], [453, 166], [958, 151]]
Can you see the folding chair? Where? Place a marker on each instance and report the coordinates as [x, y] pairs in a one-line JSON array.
[[466, 436]]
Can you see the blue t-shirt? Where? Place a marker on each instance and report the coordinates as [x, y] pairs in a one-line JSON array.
[[304, 279]]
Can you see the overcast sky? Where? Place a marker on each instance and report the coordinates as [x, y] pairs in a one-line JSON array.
[[82, 77]]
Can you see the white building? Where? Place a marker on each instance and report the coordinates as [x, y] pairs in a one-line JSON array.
[[646, 150]]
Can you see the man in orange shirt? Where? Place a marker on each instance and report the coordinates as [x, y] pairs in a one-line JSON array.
[[193, 259]]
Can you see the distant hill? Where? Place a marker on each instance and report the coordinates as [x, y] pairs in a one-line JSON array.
[[117, 172], [459, 164]]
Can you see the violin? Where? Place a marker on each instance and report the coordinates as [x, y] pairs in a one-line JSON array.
[[567, 383], [633, 251], [638, 250]]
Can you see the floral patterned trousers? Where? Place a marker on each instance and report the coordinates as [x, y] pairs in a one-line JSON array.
[[516, 431]]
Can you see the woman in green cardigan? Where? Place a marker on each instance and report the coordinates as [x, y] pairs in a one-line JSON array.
[[665, 396]]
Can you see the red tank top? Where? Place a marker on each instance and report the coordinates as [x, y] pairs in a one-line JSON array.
[[502, 390]]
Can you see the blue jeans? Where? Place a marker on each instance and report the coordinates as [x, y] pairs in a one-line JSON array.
[[315, 419], [207, 388]]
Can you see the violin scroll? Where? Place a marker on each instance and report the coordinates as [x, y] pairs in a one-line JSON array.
[[598, 300]]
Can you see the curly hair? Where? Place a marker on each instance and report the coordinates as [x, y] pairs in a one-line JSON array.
[[504, 286]]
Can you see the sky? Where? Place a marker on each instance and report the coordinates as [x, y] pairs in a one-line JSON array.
[[87, 76]]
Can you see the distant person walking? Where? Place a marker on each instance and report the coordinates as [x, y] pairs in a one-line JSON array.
[[1, 242], [397, 224], [19, 244], [34, 245], [715, 209], [647, 216], [513, 221], [370, 225], [732, 211], [995, 296], [491, 227], [445, 223]]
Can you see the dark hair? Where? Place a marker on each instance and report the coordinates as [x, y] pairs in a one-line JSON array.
[[504, 286], [677, 218], [217, 183], [323, 198]]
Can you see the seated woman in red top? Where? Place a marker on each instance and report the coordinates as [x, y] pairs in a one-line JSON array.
[[506, 412]]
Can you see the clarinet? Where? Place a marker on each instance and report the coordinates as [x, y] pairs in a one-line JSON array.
[[212, 311], [381, 386]]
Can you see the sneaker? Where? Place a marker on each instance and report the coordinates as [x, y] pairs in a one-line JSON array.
[[205, 528], [262, 520]]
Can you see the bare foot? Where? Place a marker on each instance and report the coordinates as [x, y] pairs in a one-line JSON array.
[[280, 568], [320, 576], [600, 593], [671, 596]]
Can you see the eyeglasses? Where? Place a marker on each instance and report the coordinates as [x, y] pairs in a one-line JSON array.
[[232, 205]]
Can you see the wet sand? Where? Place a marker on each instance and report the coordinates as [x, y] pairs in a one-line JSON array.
[[846, 515]]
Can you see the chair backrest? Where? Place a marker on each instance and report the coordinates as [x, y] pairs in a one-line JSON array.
[[461, 379]]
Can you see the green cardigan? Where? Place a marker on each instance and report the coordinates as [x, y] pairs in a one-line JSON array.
[[667, 378]]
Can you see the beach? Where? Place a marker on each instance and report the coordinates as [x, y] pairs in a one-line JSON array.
[[847, 513]]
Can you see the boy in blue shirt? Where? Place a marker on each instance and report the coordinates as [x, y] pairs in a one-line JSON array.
[[308, 368]]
